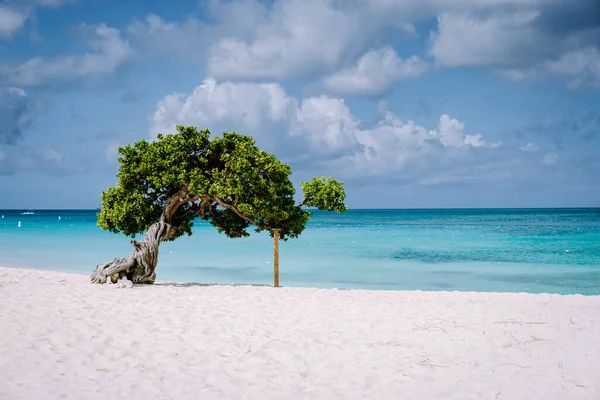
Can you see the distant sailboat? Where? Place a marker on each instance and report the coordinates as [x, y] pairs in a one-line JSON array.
[[59, 217], [19, 224]]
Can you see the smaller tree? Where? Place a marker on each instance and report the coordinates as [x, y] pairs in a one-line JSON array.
[[163, 186]]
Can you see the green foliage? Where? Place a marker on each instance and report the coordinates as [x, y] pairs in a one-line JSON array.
[[324, 194], [227, 181]]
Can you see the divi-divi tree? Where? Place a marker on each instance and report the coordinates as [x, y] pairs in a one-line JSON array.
[[165, 185]]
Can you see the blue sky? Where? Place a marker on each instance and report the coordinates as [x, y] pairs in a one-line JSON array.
[[412, 103]]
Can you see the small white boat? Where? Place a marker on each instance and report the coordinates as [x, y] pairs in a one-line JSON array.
[[19, 224]]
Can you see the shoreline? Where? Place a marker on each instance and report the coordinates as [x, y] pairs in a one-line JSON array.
[[268, 285], [63, 337]]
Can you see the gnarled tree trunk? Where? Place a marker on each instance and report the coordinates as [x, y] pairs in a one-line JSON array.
[[140, 266]]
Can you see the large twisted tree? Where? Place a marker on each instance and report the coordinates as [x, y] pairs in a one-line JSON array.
[[163, 186]]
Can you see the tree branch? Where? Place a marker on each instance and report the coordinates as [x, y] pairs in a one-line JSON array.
[[207, 203], [302, 203], [229, 207]]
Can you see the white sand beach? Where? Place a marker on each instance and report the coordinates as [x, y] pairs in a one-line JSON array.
[[63, 338]]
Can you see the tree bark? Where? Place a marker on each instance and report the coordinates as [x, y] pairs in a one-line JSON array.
[[140, 266]]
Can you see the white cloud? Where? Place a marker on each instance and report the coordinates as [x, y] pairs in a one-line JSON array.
[[109, 52], [465, 40], [10, 21], [229, 105], [191, 38], [530, 147], [321, 129], [284, 39], [580, 67], [553, 40], [326, 124], [414, 9], [153, 24], [375, 72], [294, 38], [451, 133], [188, 39], [14, 14], [253, 39]]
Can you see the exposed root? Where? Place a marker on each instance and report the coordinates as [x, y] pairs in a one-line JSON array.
[[111, 271], [140, 266], [124, 283]]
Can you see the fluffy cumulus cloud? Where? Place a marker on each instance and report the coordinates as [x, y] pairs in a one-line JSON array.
[[294, 38], [374, 73], [109, 51], [322, 130], [249, 105], [544, 40], [452, 133], [283, 39], [346, 44]]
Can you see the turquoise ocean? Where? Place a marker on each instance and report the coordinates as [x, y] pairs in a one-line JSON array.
[[500, 250]]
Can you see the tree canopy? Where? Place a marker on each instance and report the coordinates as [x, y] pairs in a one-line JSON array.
[[225, 180]]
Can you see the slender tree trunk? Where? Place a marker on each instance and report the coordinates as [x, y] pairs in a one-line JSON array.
[[140, 266]]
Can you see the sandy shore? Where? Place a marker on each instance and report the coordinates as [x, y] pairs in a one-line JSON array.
[[62, 338]]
